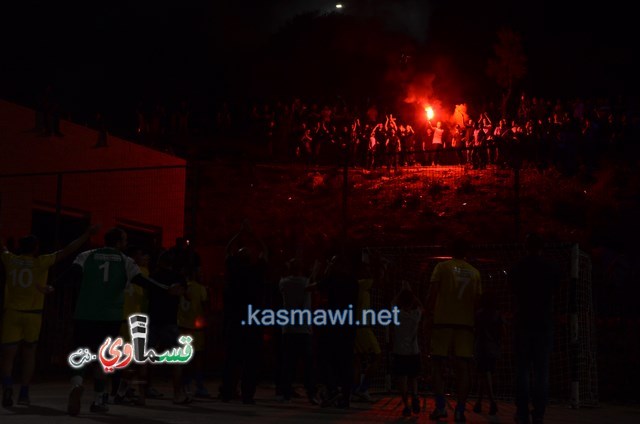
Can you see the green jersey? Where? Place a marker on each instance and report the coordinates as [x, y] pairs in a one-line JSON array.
[[106, 272]]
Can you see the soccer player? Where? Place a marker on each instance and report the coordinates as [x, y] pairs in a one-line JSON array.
[[452, 299], [25, 289], [135, 302], [104, 275]]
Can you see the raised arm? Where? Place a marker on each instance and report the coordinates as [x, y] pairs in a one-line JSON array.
[[392, 122], [176, 289], [77, 243]]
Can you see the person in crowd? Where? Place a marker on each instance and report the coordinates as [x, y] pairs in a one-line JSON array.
[[469, 140], [437, 142], [458, 144]]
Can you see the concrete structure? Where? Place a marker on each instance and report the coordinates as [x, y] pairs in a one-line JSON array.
[[68, 181]]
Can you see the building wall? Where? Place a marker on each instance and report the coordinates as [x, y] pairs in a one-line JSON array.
[[30, 164], [153, 198]]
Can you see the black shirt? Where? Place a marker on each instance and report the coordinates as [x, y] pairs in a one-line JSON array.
[[245, 285], [533, 280], [341, 290], [163, 307]]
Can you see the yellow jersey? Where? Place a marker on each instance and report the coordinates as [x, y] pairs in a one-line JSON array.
[[457, 292], [24, 274], [135, 297], [191, 310]]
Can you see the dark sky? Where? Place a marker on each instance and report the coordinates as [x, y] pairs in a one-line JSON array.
[[105, 51]]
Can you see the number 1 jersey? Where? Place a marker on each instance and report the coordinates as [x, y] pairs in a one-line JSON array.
[[105, 275]]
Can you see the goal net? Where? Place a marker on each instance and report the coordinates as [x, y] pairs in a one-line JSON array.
[[573, 369]]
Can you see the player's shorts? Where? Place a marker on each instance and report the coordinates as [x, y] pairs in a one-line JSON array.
[[457, 341], [18, 326], [366, 342], [198, 336]]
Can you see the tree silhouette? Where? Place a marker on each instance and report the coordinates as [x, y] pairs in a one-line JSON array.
[[509, 64]]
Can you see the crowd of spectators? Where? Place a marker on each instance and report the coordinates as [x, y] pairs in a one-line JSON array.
[[538, 133]]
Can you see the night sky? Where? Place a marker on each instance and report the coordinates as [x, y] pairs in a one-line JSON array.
[[111, 54]]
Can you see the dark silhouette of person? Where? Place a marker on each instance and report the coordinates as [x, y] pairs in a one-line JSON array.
[[164, 301], [340, 287], [296, 338], [533, 280], [245, 285]]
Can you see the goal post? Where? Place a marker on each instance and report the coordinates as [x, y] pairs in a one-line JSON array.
[[573, 367]]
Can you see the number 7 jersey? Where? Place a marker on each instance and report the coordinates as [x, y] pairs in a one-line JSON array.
[[459, 290], [105, 275]]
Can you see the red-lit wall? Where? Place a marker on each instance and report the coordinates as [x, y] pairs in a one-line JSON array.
[[153, 196]]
